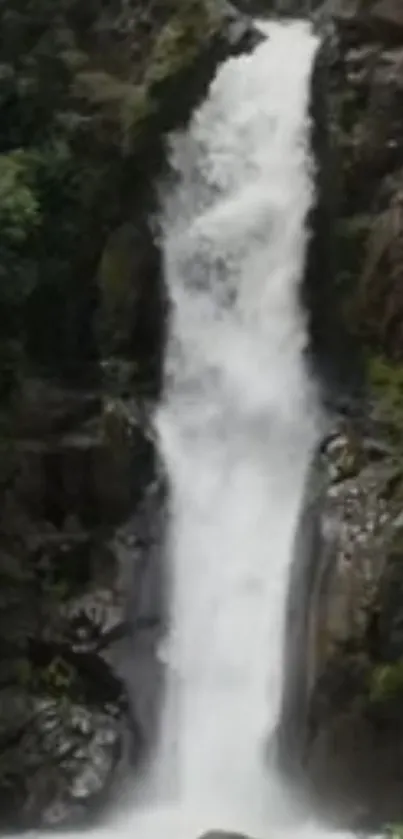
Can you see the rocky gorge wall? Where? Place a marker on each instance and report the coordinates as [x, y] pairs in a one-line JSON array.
[[85, 99], [344, 724], [86, 96]]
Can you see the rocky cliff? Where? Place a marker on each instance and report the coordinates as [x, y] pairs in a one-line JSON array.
[[350, 753], [87, 94]]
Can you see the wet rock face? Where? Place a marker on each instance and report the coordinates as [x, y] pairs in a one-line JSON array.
[[332, 351], [344, 724], [364, 105], [69, 729], [351, 758], [388, 14], [140, 546]]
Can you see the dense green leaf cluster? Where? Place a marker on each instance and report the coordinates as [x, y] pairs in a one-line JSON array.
[[80, 86], [42, 181]]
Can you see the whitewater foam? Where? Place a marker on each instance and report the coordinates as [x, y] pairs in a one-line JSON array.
[[237, 427]]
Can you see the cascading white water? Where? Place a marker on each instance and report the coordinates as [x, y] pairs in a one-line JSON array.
[[237, 427], [237, 424]]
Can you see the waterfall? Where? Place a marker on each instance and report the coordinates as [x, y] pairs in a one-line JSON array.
[[237, 426], [237, 423]]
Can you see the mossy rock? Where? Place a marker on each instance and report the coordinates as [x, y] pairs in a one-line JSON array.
[[386, 682], [394, 831], [182, 38], [386, 379], [132, 103]]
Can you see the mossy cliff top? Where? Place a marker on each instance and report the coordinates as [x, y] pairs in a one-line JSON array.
[[87, 91]]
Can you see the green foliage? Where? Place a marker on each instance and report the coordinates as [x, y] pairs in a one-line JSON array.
[[386, 379], [20, 219], [78, 85], [19, 209], [386, 682], [58, 677], [34, 196], [180, 39], [394, 831]]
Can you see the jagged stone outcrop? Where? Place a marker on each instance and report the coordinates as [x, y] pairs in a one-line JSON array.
[[351, 757], [341, 732], [79, 466]]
